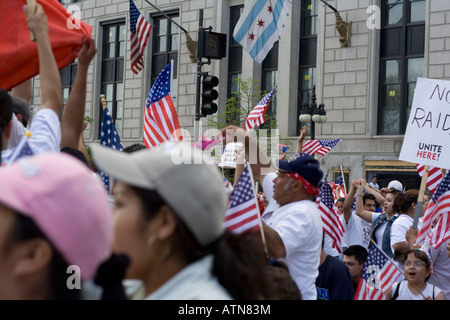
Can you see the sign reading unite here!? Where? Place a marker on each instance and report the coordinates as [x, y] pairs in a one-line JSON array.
[[427, 136]]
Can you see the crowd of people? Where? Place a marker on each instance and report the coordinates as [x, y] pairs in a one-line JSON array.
[[162, 235]]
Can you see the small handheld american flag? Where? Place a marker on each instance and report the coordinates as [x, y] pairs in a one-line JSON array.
[[321, 147], [243, 213], [258, 115]]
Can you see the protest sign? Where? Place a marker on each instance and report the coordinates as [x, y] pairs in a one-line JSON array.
[[427, 136], [228, 158]]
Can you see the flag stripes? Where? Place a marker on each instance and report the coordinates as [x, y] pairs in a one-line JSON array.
[[258, 115], [243, 212], [321, 147], [331, 223], [379, 274], [160, 117], [140, 32], [438, 208], [434, 176]]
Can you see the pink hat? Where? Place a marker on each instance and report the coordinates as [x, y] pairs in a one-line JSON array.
[[67, 202]]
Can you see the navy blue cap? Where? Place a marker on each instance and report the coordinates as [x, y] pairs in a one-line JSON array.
[[303, 164]]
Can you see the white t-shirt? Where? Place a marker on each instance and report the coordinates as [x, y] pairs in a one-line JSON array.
[[405, 294], [399, 228], [17, 132], [357, 231], [45, 134], [300, 228]]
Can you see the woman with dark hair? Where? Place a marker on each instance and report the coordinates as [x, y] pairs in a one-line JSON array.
[[381, 221], [55, 231], [405, 204], [169, 210]]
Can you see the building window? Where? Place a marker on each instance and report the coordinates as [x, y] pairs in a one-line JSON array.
[[269, 81], [388, 170], [113, 53], [234, 67], [165, 47], [308, 54], [67, 75], [234, 53], [401, 62]]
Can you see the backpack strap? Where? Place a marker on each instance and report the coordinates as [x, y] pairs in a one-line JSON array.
[[395, 296]]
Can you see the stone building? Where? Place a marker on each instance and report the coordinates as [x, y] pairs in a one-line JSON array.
[[367, 87]]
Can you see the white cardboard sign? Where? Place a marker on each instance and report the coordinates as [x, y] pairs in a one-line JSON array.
[[228, 158], [427, 136]]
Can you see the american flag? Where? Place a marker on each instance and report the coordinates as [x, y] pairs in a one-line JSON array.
[[321, 147], [330, 219], [140, 32], [243, 211], [160, 120], [439, 206], [379, 274], [109, 138], [22, 149], [434, 176], [258, 115]]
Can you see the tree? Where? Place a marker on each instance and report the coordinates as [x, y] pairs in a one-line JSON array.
[[240, 104]]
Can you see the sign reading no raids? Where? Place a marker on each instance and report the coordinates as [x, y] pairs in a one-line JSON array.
[[427, 136]]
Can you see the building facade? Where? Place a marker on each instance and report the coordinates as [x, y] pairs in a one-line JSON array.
[[367, 87]]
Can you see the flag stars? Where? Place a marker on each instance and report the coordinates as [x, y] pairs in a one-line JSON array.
[[269, 9], [261, 23], [251, 36]]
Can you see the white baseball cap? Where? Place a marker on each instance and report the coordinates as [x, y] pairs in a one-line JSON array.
[[395, 184], [182, 175]]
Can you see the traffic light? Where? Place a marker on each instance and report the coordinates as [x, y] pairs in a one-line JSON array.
[[209, 94]]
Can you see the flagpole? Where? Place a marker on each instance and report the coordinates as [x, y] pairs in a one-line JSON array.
[[423, 184], [261, 228], [103, 101], [32, 6], [401, 271], [171, 77], [343, 179], [174, 22]]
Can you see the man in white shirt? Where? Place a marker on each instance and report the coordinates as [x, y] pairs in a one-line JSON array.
[[357, 230], [374, 183], [291, 223]]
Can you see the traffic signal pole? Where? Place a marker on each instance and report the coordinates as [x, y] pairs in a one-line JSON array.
[[210, 45], [200, 63]]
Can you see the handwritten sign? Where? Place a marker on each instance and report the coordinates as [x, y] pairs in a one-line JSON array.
[[427, 136], [228, 158]]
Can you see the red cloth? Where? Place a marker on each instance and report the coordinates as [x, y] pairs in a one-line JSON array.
[[19, 55]]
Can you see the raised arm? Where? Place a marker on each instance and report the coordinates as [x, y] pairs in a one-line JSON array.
[[359, 205], [23, 91], [349, 201], [73, 117], [378, 196], [301, 138], [257, 158], [51, 90]]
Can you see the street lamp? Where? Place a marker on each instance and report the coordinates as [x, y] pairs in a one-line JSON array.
[[313, 113]]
